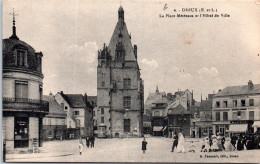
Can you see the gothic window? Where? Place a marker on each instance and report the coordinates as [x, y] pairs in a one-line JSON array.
[[127, 83], [127, 102]]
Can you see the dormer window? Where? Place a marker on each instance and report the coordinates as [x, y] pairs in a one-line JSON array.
[[21, 58]]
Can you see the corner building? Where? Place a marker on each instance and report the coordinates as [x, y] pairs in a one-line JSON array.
[[23, 106], [119, 86]]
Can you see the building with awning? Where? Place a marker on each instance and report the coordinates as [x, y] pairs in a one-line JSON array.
[[256, 126], [236, 109]]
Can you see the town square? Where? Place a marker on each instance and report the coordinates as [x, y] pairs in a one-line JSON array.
[[128, 81]]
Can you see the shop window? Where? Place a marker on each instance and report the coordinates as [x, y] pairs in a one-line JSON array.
[[127, 83], [217, 116], [50, 133], [21, 132], [225, 104], [127, 102], [102, 120], [126, 125], [217, 104], [234, 103], [251, 115], [225, 116], [251, 102], [21, 90], [243, 102]]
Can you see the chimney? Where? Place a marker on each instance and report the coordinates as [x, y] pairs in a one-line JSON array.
[[250, 85], [219, 90], [61, 92], [135, 50], [50, 94], [86, 98]]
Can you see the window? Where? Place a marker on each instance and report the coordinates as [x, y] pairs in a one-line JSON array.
[[127, 83], [66, 107], [127, 102], [234, 103], [251, 115], [102, 120], [40, 92], [102, 111], [76, 113], [77, 123], [251, 102], [225, 116], [217, 104], [217, 116], [126, 125], [225, 104], [103, 84], [21, 90], [21, 58], [50, 133], [243, 102]]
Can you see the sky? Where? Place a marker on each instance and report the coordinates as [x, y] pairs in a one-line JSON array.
[[199, 54]]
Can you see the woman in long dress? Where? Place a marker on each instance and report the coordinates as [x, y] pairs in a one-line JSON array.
[[214, 146], [228, 145], [180, 147], [207, 145]]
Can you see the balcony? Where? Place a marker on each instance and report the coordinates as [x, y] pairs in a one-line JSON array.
[[27, 105]]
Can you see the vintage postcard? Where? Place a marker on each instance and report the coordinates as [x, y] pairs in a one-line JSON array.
[[131, 81]]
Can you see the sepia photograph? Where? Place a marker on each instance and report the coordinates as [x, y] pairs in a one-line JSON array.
[[160, 81]]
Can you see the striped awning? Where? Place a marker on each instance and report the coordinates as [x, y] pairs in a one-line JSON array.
[[157, 128], [238, 128]]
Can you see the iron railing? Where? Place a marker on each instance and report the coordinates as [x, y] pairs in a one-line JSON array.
[[25, 104]]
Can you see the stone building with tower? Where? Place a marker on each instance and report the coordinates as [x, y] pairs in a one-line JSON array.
[[120, 90], [23, 106]]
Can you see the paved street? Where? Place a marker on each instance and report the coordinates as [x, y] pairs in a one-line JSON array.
[[129, 150]]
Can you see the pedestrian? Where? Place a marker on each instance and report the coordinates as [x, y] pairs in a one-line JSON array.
[[80, 146], [144, 143], [240, 145], [180, 147], [192, 147], [228, 145], [175, 141], [92, 141], [202, 145], [207, 145], [87, 141], [234, 140], [214, 146], [219, 143], [223, 142]]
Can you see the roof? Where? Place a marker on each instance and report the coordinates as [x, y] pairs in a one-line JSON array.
[[121, 30], [94, 99], [74, 100], [54, 106], [160, 101], [178, 110], [206, 105], [239, 90]]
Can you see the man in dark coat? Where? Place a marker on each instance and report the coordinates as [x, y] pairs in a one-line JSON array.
[[92, 141], [87, 141], [175, 141], [233, 140], [144, 143]]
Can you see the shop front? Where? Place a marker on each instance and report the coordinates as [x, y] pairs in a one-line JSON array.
[[241, 127]]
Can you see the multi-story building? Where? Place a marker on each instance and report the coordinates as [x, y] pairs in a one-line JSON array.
[[54, 124], [79, 114], [23, 107], [236, 109], [119, 86]]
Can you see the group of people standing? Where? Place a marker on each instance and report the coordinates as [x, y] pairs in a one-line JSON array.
[[222, 143], [90, 142], [178, 143]]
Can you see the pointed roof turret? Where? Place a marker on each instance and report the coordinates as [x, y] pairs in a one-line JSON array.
[[121, 14], [14, 28], [157, 90]]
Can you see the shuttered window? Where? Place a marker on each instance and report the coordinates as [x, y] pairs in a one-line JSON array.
[[21, 90]]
